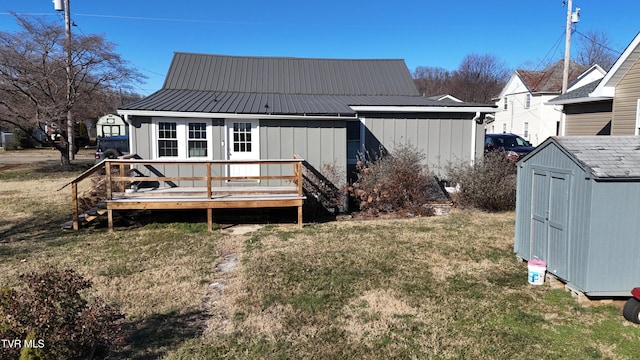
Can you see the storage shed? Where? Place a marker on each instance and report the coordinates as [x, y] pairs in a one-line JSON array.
[[578, 209]]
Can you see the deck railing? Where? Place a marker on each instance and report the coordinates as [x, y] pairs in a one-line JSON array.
[[133, 170]]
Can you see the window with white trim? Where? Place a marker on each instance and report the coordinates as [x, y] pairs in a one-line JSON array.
[[504, 128], [505, 103], [527, 101], [526, 130], [242, 137], [167, 139], [197, 140]]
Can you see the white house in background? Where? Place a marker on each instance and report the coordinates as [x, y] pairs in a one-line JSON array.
[[522, 101]]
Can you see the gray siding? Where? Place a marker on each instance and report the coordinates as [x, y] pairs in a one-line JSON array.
[[442, 140], [318, 142], [613, 261]]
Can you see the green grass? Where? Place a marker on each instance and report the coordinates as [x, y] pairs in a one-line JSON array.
[[437, 288]]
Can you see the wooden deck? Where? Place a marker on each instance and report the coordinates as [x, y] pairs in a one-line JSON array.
[[207, 197]]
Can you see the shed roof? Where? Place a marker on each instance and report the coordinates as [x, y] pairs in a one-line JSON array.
[[605, 156], [282, 85]]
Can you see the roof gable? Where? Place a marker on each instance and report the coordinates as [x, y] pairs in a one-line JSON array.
[[282, 75], [619, 69]]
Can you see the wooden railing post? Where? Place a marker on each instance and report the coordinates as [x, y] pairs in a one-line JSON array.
[[107, 172], [121, 184], [298, 174], [209, 210], [74, 205]]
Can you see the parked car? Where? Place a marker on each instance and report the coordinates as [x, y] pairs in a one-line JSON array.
[[513, 146], [110, 147]]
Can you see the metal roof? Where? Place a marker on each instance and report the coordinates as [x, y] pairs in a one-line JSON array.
[[270, 85], [605, 156], [279, 75]]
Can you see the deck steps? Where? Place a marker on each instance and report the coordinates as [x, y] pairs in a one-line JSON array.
[[88, 216]]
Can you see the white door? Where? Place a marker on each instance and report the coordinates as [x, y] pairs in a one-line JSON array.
[[242, 140]]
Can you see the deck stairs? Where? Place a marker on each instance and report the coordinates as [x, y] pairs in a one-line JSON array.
[[94, 213]]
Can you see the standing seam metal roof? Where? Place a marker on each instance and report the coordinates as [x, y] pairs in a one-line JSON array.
[[272, 85], [289, 75]]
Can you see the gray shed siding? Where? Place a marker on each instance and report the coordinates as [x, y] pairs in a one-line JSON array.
[[442, 140], [599, 252], [613, 261]]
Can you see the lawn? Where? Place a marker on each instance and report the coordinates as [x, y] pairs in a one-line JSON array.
[[439, 287]]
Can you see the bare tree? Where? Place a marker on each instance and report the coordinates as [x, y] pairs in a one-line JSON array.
[[594, 47], [431, 80], [479, 78], [33, 92]]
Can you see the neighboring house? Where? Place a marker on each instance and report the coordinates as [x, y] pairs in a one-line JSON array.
[[522, 102], [610, 106], [323, 110]]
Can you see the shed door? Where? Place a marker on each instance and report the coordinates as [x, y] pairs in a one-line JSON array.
[[539, 215], [550, 208], [558, 213]]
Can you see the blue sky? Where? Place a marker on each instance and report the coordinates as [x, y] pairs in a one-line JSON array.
[[424, 33]]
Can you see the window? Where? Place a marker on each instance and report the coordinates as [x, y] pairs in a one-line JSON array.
[[504, 128], [242, 137], [353, 140], [526, 130], [527, 101], [167, 139], [111, 130], [197, 140], [505, 102]]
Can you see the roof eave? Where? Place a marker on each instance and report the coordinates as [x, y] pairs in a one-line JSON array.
[[203, 115], [423, 109], [580, 100]]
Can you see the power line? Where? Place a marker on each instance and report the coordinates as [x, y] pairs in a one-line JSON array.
[[601, 45], [547, 59]]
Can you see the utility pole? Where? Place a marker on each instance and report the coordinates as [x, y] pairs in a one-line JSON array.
[[59, 6], [571, 19]]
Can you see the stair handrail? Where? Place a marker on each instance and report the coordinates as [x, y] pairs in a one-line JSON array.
[[74, 187]]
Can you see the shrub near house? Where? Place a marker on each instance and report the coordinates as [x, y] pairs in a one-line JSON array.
[[488, 184], [396, 182]]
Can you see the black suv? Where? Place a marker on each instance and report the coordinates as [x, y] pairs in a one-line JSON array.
[[110, 147], [513, 146]]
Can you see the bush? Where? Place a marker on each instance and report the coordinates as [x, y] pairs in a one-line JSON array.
[[489, 184], [395, 182], [50, 312]]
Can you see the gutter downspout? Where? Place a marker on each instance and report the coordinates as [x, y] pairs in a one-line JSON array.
[[130, 132], [474, 132]]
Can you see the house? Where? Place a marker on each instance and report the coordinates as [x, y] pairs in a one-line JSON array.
[[523, 101], [609, 106], [323, 110], [577, 209]]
